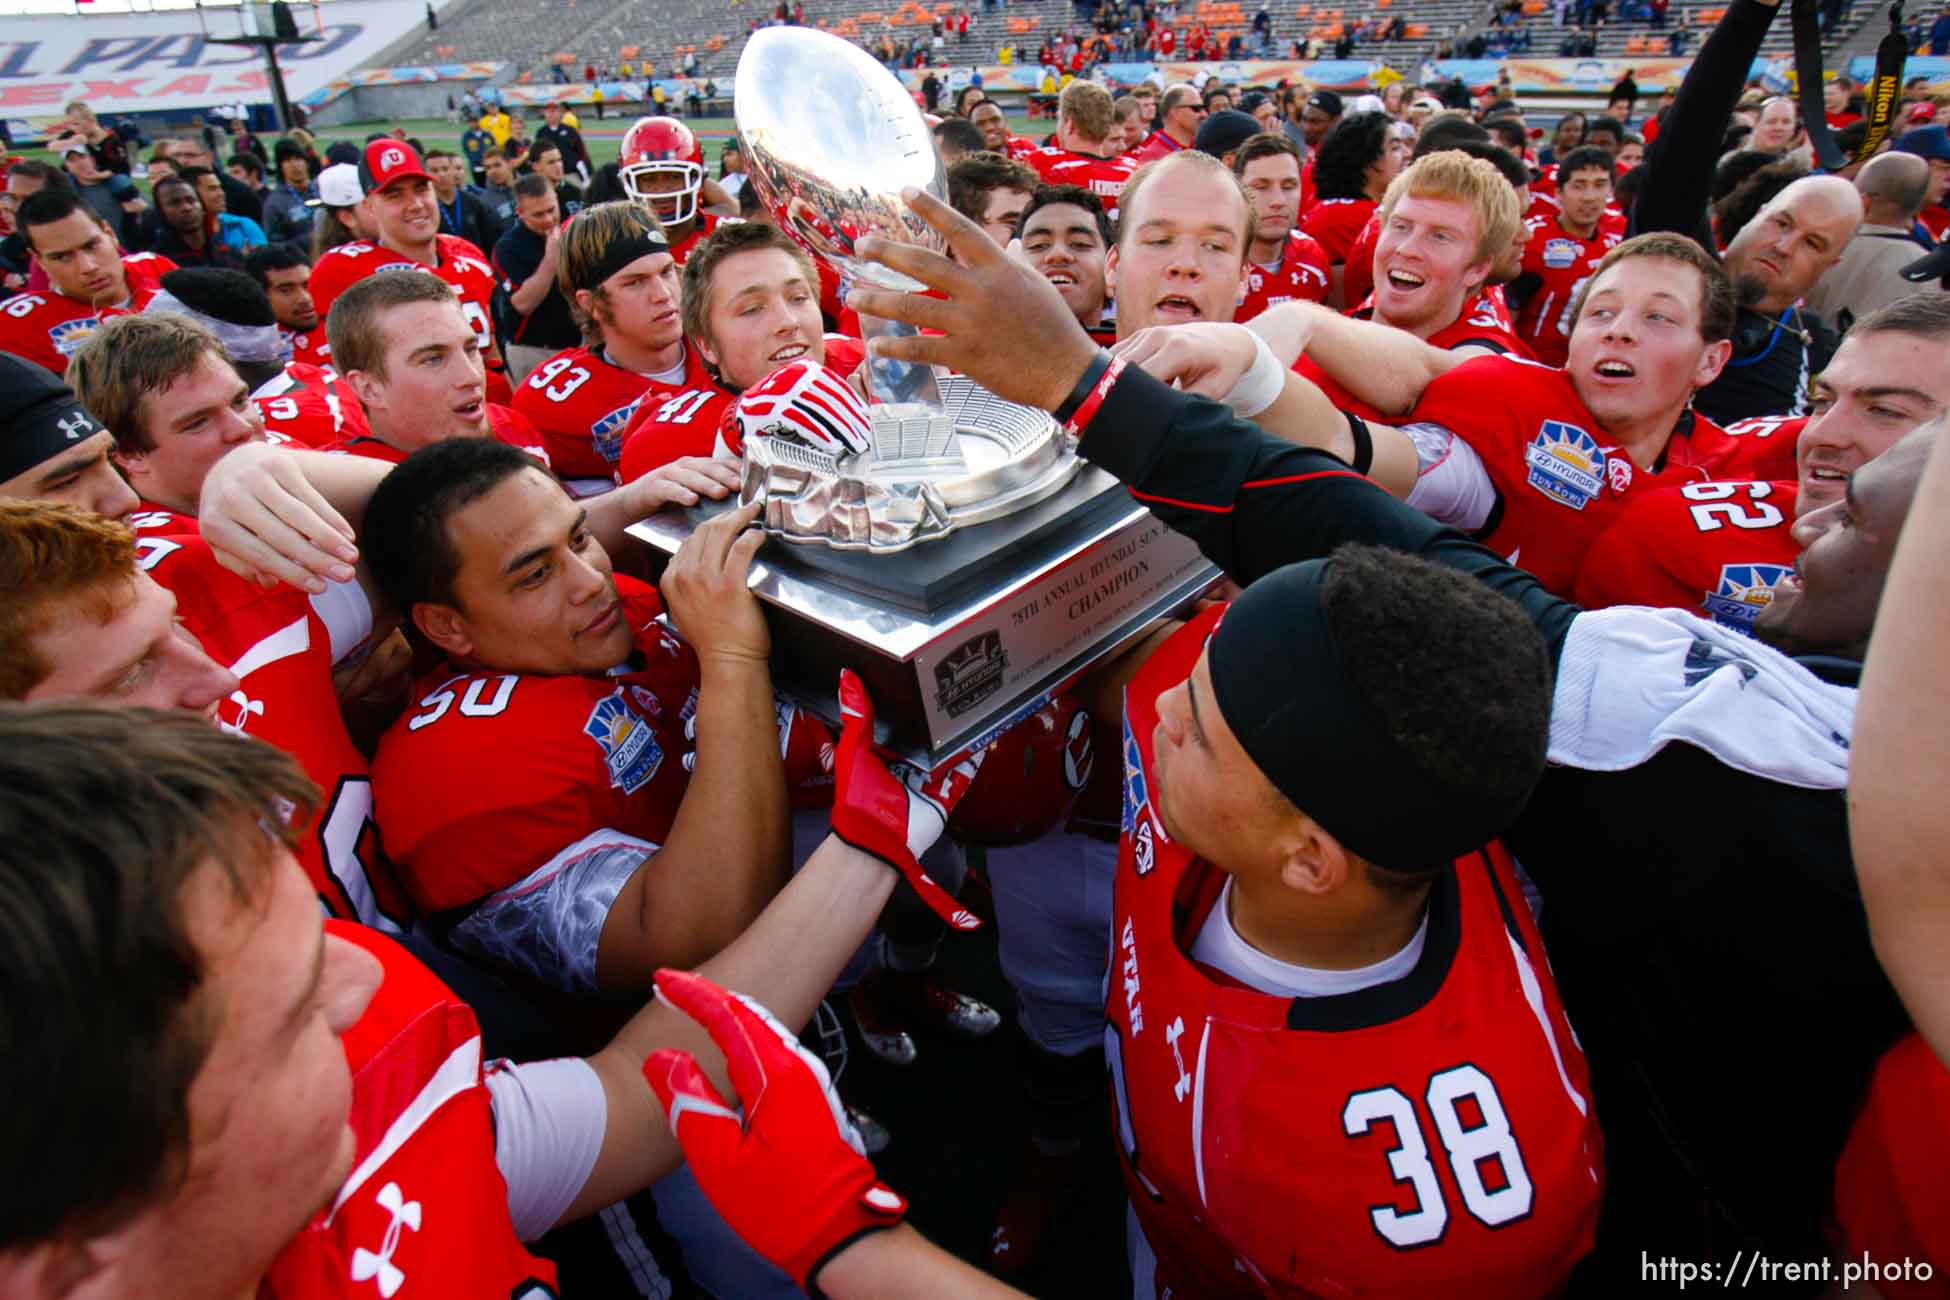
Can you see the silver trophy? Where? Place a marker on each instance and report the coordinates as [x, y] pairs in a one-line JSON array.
[[830, 138], [967, 564]]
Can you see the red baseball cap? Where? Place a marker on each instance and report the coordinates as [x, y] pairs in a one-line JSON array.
[[386, 161]]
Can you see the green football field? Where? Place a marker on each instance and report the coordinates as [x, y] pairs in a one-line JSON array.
[[604, 136]]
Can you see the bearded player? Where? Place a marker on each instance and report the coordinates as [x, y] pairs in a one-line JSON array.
[[399, 204], [1563, 245], [616, 268], [1722, 549], [90, 279], [1287, 264], [751, 306]]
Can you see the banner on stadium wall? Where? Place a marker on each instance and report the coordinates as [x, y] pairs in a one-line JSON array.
[[331, 90], [583, 92], [1563, 76], [1933, 67], [1021, 78], [160, 62]]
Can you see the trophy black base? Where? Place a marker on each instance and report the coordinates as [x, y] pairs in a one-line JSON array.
[[962, 635]]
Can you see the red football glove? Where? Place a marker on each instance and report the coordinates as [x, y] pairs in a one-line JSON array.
[[790, 1176], [805, 399], [890, 809]]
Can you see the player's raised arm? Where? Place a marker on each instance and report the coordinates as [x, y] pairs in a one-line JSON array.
[[1383, 366], [1899, 825], [1232, 364]]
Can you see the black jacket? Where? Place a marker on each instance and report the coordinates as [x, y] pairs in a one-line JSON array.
[[1704, 924]]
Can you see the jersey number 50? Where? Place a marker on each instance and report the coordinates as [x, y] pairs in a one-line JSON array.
[[1476, 1143]]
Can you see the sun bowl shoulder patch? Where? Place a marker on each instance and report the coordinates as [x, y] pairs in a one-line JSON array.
[[628, 741]]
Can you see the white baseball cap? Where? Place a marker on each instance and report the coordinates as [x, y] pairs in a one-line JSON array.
[[338, 187]]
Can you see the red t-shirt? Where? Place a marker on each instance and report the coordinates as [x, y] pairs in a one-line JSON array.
[[461, 265], [424, 1213], [1713, 549], [281, 646], [308, 406], [1336, 223], [1300, 275], [1433, 1135], [47, 328], [583, 404], [1484, 322], [1563, 262]]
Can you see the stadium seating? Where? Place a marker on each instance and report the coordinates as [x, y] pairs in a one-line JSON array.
[[530, 34]]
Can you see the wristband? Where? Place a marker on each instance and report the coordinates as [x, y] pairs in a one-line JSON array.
[[1087, 412], [1081, 393], [1261, 385], [1363, 458]]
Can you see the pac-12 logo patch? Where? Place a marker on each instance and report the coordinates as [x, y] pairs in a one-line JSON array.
[[628, 742], [1565, 464], [1744, 591]]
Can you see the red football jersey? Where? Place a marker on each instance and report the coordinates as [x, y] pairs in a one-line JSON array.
[[691, 423], [1764, 447], [1357, 277], [1155, 146], [161, 521], [583, 404], [1300, 275], [47, 328], [1713, 549], [1103, 177], [488, 776], [462, 265], [1483, 322], [308, 406], [1433, 1135], [1889, 1181], [281, 647], [311, 348], [1020, 147], [510, 426], [1560, 479], [701, 227], [1563, 262], [1336, 223], [424, 1213]]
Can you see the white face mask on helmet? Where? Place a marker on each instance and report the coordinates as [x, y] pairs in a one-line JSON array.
[[663, 146]]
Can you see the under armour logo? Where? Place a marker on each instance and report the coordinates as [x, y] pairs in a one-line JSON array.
[[1173, 1032], [247, 708], [76, 426], [379, 1268]]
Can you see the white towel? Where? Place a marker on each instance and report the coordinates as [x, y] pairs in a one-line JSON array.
[[1632, 680]]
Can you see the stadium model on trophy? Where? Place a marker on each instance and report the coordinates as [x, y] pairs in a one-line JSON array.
[[968, 563]]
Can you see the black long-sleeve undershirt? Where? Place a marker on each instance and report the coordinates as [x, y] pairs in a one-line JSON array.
[[1704, 924]]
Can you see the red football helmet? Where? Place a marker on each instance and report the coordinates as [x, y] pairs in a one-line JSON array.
[[1030, 778], [663, 146]]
